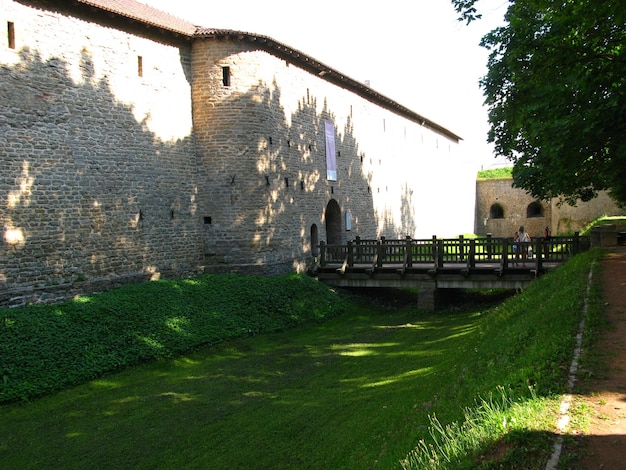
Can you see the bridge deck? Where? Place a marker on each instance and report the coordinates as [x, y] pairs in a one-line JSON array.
[[443, 263]]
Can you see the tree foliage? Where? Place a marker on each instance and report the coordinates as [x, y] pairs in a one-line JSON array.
[[556, 95]]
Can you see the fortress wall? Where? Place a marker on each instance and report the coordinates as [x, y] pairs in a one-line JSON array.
[[570, 219], [125, 157], [267, 128], [515, 202], [98, 178]]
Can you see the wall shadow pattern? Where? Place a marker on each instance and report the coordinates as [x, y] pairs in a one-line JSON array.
[[93, 198], [88, 192]]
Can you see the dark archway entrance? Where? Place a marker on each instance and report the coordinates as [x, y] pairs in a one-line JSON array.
[[496, 211], [534, 209], [333, 223]]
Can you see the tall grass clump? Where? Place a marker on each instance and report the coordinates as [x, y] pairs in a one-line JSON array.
[[523, 352], [488, 421], [45, 348]]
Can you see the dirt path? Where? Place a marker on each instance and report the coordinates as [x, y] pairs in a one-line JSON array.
[[603, 445]]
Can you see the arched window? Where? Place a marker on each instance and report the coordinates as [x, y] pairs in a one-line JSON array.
[[534, 209], [496, 211]]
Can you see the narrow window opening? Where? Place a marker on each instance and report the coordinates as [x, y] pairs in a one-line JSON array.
[[11, 34], [226, 76], [208, 221], [139, 66]]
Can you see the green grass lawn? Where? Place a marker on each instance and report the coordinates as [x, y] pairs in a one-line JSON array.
[[356, 391], [345, 394]]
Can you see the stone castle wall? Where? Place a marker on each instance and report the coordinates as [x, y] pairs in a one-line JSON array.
[[520, 208], [98, 176], [261, 142], [125, 157]]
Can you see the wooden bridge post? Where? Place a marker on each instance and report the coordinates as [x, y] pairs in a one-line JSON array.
[[380, 252], [471, 260], [434, 250], [489, 247], [439, 259], [461, 248], [409, 251], [505, 253], [576, 244], [322, 253], [538, 253], [350, 254]]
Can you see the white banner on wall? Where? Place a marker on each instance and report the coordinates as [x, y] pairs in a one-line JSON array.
[[331, 162]]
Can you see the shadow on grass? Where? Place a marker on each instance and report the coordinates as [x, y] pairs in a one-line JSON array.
[[525, 450], [521, 450], [354, 392]]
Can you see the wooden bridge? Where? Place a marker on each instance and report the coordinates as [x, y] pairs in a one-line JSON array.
[[438, 263]]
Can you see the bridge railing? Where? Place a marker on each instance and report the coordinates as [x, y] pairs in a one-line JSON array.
[[438, 252]]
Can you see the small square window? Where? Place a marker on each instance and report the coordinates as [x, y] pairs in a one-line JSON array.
[[11, 34]]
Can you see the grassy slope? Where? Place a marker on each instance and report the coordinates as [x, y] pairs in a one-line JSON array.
[[355, 391], [47, 348], [528, 342]]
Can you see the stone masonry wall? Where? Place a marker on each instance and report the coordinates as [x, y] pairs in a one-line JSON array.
[[515, 202], [261, 142], [98, 180], [126, 157]]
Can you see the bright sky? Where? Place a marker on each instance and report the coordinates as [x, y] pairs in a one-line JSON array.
[[413, 51]]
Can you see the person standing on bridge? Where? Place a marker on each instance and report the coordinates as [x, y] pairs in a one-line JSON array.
[[523, 239]]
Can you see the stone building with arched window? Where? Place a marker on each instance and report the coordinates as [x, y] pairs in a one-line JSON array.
[[501, 209]]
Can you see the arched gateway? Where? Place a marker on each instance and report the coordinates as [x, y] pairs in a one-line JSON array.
[[333, 223]]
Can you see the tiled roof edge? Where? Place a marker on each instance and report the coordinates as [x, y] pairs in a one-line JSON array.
[[154, 17], [324, 71], [144, 14]]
